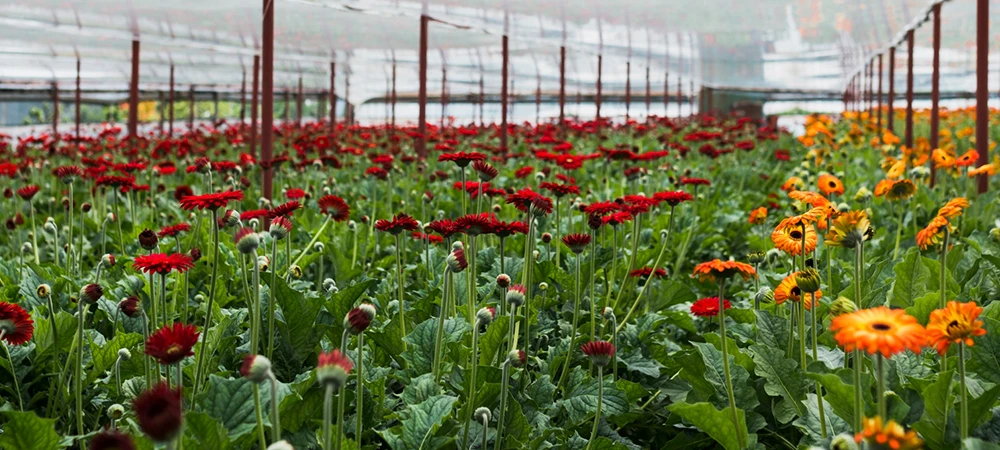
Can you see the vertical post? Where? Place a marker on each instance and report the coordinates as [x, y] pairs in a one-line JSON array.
[[348, 107], [267, 88], [628, 88], [133, 97], [333, 99], [192, 109], [562, 90], [935, 92], [982, 88], [298, 104], [421, 146], [505, 49], [666, 92], [890, 113], [255, 94], [215, 107], [170, 106], [77, 102], [597, 99], [870, 96], [444, 90], [160, 109], [55, 112], [680, 95], [392, 95], [909, 90], [538, 96], [649, 93], [288, 106], [243, 98], [878, 113]]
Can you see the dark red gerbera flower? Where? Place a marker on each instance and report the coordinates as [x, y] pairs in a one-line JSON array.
[[640, 200], [617, 218], [15, 324], [541, 206], [162, 263], [524, 172], [398, 224], [295, 194], [285, 209], [522, 199], [430, 238], [485, 170], [600, 352], [129, 306], [173, 230], [28, 191], [158, 411], [359, 318], [67, 174], [602, 208], [647, 271], [172, 343], [673, 198], [335, 206], [444, 227], [115, 181], [695, 181], [559, 190], [182, 191], [377, 172], [576, 242], [505, 229], [245, 216], [708, 307], [475, 224], [210, 201], [109, 439], [461, 159]]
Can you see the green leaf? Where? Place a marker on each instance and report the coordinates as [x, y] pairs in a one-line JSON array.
[[421, 422], [231, 402], [984, 357], [840, 394], [27, 431], [420, 389], [938, 406], [491, 342], [813, 427], [782, 377], [976, 444], [581, 400], [715, 374], [911, 279], [203, 431], [341, 303], [419, 355], [298, 329], [980, 408], [104, 356], [923, 305], [772, 330], [715, 423]]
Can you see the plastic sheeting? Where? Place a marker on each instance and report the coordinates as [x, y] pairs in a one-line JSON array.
[[773, 45]]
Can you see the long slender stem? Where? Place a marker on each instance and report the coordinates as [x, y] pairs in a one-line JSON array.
[[69, 241], [944, 283], [899, 229], [631, 260], [261, 439], [308, 246], [725, 363], [360, 397], [275, 416], [399, 284], [211, 302], [118, 223], [815, 355], [272, 303], [77, 370], [471, 398], [858, 412], [600, 401], [572, 326], [327, 418], [436, 371], [638, 298], [341, 401], [963, 412], [34, 232], [880, 373], [13, 373], [180, 386], [556, 236]]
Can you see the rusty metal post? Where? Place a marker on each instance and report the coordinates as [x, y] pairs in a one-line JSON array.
[[55, 112], [392, 96], [267, 94], [243, 99], [333, 101], [255, 94], [505, 49], [133, 98], [935, 88], [170, 106], [890, 113], [982, 88], [77, 102], [597, 99], [909, 90], [444, 91], [628, 88], [878, 123], [562, 90], [421, 144], [192, 110]]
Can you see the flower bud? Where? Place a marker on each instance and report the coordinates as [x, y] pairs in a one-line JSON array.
[[246, 240], [842, 305], [756, 257], [764, 295], [352, 225], [124, 354], [230, 218], [543, 286], [296, 271], [263, 263], [27, 248], [129, 306], [485, 315], [807, 280], [456, 261], [108, 260], [608, 313], [359, 318], [256, 368], [515, 295], [329, 284], [843, 441], [546, 238], [195, 254], [281, 445], [995, 235], [280, 227], [148, 239], [517, 358], [116, 411], [86, 207], [482, 414], [50, 226], [503, 280], [457, 245], [110, 217], [92, 292], [43, 291], [318, 247]]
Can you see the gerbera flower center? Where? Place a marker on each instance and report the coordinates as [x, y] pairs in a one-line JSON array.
[[881, 326], [832, 184], [174, 349], [795, 234]]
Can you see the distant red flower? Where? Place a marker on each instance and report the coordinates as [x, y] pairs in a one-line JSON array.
[[461, 159], [602, 208], [708, 307], [617, 218], [600, 352], [430, 238], [28, 191], [210, 201], [522, 199], [472, 187], [109, 439], [115, 181], [541, 206], [673, 198], [158, 411], [504, 229], [576, 242], [377, 172], [647, 271], [695, 181], [163, 264], [65, 173], [295, 194], [475, 224], [129, 167], [333, 368], [335, 206], [15, 323], [172, 343], [182, 191], [173, 230], [485, 170], [444, 227], [285, 209], [245, 216], [397, 225], [524, 172], [559, 190]]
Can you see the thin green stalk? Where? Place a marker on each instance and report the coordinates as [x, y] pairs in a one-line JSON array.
[[308, 246], [943, 283], [471, 397], [572, 326], [880, 372], [638, 298], [341, 401], [275, 417], [399, 283], [631, 261], [819, 388], [272, 304], [205, 346], [34, 232], [17, 387], [77, 370], [261, 439], [899, 229], [557, 235], [436, 371], [69, 241], [180, 386], [963, 412], [360, 398], [858, 412], [725, 363], [327, 419], [600, 401], [118, 223], [593, 270]]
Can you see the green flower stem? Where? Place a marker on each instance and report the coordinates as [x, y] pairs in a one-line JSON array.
[[609, 279], [725, 363], [77, 371], [275, 416], [858, 404], [572, 326], [17, 388], [436, 371], [944, 284], [529, 240], [503, 298], [272, 304], [504, 387], [815, 350], [205, 346], [341, 398], [261, 439], [899, 230], [180, 385], [309, 245], [656, 264], [399, 283], [593, 270], [556, 236], [255, 321], [360, 398], [614, 340], [118, 223], [600, 401], [118, 376], [802, 332], [327, 419], [69, 241], [464, 195], [471, 397], [963, 412], [354, 246], [631, 260], [34, 231], [486, 429], [880, 372]]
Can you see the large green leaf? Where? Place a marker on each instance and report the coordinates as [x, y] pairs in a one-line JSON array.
[[976, 444], [27, 431], [715, 374], [341, 303], [840, 394], [772, 330], [419, 355], [980, 408], [298, 329], [420, 424], [491, 342], [715, 423], [231, 402], [984, 357], [811, 424], [911, 279], [923, 305], [581, 400], [104, 356], [782, 377], [204, 431], [938, 411]]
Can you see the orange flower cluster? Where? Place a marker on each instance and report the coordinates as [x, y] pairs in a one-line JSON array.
[[955, 324], [789, 290], [895, 190], [716, 269], [933, 233], [878, 330]]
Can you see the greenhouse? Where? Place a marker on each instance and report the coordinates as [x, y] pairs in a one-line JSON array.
[[499, 224]]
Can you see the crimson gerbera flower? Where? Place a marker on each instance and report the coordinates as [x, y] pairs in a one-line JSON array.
[[444, 227], [559, 190], [109, 439], [28, 191], [398, 224], [505, 229], [295, 194], [523, 172], [461, 159], [15, 324], [115, 181], [335, 206], [522, 199], [485, 170], [673, 198], [600, 352], [602, 208], [210, 201], [158, 411], [647, 271], [162, 263], [285, 209], [377, 172], [617, 218], [359, 318], [576, 242], [173, 230], [430, 238], [708, 307], [172, 343], [67, 173], [475, 224], [695, 181]]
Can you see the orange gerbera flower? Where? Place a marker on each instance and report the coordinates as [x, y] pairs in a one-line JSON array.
[[955, 324], [716, 268], [789, 290], [891, 435], [758, 216], [967, 159], [933, 233], [829, 184], [890, 139], [896, 170], [792, 184], [787, 236], [943, 159], [986, 169], [953, 208], [878, 330], [850, 230], [895, 189], [812, 198]]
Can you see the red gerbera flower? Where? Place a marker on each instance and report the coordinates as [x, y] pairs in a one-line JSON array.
[[162, 263], [485, 170], [67, 173], [245, 216], [285, 209], [158, 411], [695, 181], [111, 440], [523, 172], [28, 191], [708, 307], [377, 172], [210, 201], [475, 224], [295, 194], [559, 190], [505, 229], [617, 218], [397, 225], [15, 324], [173, 230], [600, 352], [115, 181], [444, 227], [359, 318], [602, 208], [332, 368], [576, 242], [673, 198], [461, 159], [647, 271], [172, 343], [430, 238], [541, 206], [182, 191], [335, 206]]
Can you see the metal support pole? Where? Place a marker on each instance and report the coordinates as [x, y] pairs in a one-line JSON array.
[[649, 93], [333, 101], [628, 88], [77, 102], [562, 89], [421, 146], [982, 88], [890, 113], [267, 94], [160, 107], [192, 110], [255, 95], [878, 113], [243, 98], [215, 107], [288, 106], [909, 90], [503, 92], [444, 92], [133, 98], [55, 112], [170, 106], [597, 99], [298, 104], [935, 88], [392, 96]]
